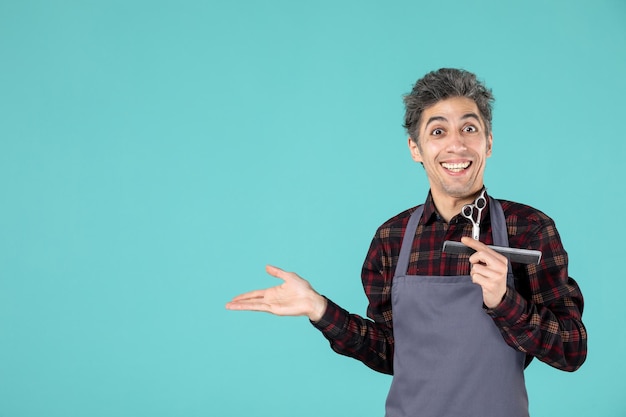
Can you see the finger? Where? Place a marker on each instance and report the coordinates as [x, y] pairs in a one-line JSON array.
[[248, 306], [481, 258], [489, 269], [249, 295], [274, 271], [484, 254], [489, 282], [493, 290], [478, 279], [484, 271], [473, 243], [280, 273]]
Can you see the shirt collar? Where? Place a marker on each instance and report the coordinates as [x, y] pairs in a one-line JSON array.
[[430, 214]]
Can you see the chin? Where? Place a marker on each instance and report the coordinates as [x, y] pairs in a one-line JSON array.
[[461, 191]]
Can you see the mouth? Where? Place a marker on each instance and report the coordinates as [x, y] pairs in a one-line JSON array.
[[456, 166]]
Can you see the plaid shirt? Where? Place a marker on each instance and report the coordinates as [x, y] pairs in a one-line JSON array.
[[541, 316]]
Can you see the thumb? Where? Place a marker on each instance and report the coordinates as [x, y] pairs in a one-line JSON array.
[[276, 272]]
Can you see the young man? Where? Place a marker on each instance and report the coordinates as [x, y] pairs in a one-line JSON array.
[[456, 331]]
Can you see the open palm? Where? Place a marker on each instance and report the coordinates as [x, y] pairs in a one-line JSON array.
[[294, 297]]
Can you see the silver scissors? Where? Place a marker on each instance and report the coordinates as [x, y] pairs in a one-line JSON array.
[[468, 212]]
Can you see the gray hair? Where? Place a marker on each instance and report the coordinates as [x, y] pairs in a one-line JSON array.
[[440, 85]]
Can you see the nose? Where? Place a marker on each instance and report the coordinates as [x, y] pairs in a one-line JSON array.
[[456, 142]]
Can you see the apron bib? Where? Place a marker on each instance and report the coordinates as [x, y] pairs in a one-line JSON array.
[[450, 359]]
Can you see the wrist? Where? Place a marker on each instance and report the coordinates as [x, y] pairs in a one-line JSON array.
[[318, 308]]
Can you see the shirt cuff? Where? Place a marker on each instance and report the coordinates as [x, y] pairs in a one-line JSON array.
[[333, 323], [510, 310]]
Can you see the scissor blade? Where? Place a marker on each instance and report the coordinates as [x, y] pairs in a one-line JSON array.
[[476, 232]]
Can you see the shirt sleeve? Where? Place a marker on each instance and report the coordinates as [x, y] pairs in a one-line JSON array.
[[542, 316], [367, 340]]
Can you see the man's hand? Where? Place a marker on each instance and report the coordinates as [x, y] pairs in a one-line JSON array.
[[294, 297], [489, 270]]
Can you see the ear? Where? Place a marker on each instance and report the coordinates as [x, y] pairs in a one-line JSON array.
[[489, 144], [415, 151]]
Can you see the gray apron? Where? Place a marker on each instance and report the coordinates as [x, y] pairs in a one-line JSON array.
[[450, 359]]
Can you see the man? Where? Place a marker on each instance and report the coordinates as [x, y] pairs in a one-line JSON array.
[[456, 331]]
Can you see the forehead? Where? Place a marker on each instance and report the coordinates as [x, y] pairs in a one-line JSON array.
[[451, 109]]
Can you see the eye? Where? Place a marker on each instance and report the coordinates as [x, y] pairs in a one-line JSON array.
[[470, 129], [437, 132]]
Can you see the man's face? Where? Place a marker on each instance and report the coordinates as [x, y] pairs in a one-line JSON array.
[[453, 146]]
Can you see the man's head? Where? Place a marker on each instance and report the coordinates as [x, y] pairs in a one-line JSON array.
[[440, 85], [448, 117]]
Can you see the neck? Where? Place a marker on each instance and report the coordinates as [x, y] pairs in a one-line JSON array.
[[449, 206]]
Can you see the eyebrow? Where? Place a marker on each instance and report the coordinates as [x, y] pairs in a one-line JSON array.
[[443, 119], [470, 116], [435, 119]]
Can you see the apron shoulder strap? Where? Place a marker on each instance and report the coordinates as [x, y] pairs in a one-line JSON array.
[[499, 231], [407, 241], [498, 223]]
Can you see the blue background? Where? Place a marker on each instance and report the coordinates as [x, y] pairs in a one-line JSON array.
[[155, 155]]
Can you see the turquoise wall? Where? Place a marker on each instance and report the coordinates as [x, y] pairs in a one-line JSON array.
[[155, 155]]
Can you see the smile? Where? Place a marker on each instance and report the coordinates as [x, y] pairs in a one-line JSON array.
[[456, 167]]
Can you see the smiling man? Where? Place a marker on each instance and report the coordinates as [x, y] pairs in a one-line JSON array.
[[456, 331]]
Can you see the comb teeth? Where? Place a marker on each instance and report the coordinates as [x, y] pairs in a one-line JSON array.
[[520, 256]]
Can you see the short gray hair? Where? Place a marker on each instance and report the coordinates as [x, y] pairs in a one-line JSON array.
[[440, 85]]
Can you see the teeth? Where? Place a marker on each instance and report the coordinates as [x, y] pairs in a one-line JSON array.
[[458, 167]]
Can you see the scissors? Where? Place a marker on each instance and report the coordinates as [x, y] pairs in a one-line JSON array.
[[468, 212]]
